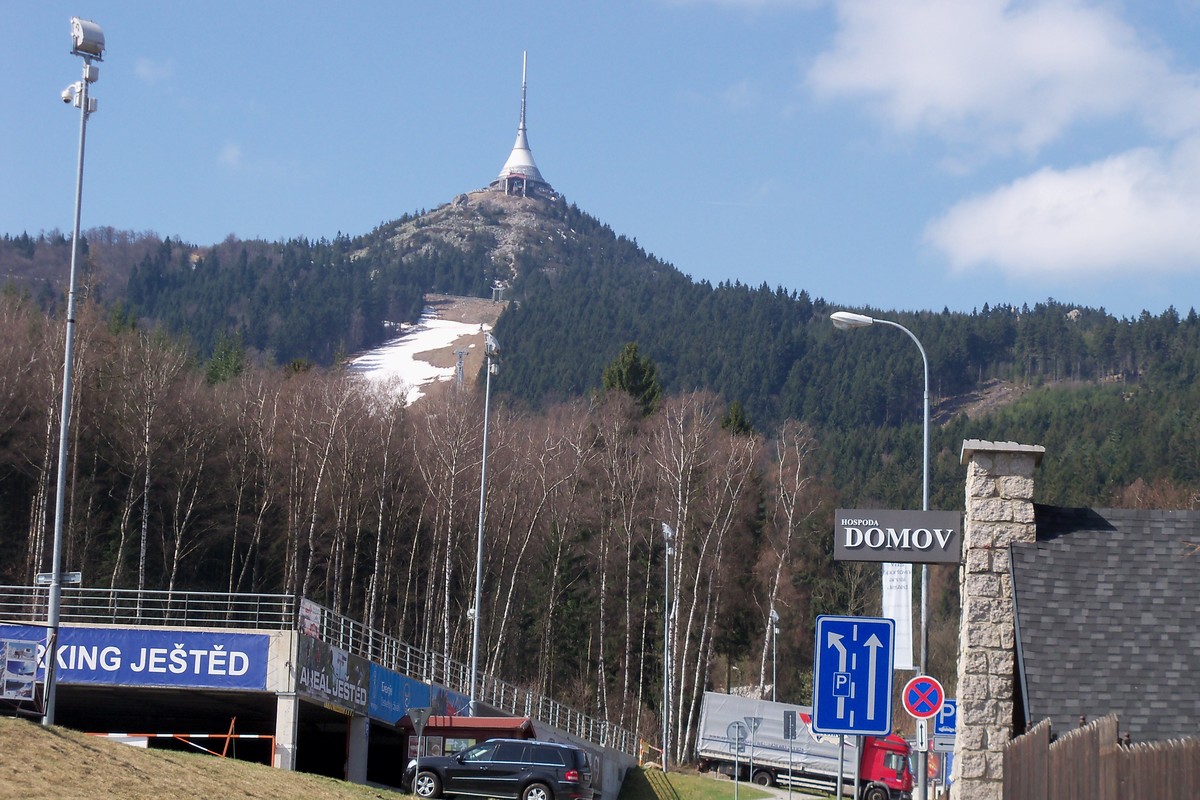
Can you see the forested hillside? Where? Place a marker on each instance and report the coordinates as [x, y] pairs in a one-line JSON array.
[[218, 445]]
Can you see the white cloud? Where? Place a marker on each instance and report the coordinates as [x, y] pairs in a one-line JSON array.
[[230, 156], [152, 72], [1001, 75], [1136, 212]]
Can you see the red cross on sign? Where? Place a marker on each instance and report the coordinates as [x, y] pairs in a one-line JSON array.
[[923, 697]]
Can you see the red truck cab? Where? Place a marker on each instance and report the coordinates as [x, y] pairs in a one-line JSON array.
[[885, 768]]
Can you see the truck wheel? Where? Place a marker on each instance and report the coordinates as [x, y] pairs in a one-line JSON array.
[[763, 778], [876, 793], [426, 784]]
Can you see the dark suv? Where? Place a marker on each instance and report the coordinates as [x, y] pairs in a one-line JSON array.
[[507, 768]]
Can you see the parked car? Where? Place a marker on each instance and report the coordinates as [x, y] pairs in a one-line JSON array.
[[521, 769]]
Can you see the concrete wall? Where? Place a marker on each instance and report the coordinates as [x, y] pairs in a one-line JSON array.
[[999, 512]]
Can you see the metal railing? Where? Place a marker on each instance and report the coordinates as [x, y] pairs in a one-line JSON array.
[[387, 651], [28, 605]]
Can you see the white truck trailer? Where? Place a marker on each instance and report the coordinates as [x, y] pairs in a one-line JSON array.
[[773, 744]]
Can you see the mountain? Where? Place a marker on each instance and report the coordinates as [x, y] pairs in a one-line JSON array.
[[580, 293], [238, 454]]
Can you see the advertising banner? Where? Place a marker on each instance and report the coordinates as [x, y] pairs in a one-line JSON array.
[[902, 537], [333, 676], [393, 694], [154, 657], [18, 669], [897, 606]]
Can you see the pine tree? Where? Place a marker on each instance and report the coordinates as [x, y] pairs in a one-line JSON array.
[[637, 376]]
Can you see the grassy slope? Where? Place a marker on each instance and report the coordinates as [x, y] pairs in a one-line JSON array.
[[37, 762], [652, 784], [62, 764]]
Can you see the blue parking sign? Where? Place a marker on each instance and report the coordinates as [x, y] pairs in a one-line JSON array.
[[852, 676], [945, 723]]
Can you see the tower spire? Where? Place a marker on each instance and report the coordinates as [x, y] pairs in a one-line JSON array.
[[520, 174], [524, 68]]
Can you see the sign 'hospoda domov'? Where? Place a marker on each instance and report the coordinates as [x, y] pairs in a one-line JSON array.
[[912, 537]]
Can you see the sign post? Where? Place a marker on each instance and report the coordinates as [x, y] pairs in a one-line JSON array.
[[419, 717], [789, 733]]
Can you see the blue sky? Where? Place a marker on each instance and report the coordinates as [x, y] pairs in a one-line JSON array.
[[897, 154]]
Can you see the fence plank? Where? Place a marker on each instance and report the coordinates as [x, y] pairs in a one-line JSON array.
[[1090, 763]]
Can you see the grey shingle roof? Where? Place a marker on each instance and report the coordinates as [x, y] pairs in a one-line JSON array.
[[1108, 619]]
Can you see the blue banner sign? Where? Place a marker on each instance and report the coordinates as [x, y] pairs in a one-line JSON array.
[[153, 657], [393, 694]]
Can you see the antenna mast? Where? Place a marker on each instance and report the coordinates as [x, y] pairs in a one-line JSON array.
[[524, 66]]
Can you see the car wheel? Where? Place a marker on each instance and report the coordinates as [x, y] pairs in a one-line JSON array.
[[537, 791], [762, 777], [876, 793], [426, 784]]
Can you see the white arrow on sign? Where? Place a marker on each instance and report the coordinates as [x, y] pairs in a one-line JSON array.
[[835, 640], [873, 644]]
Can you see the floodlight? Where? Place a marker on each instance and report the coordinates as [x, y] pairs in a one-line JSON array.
[[87, 39]]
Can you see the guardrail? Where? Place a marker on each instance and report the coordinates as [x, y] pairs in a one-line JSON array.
[[387, 651], [28, 605]]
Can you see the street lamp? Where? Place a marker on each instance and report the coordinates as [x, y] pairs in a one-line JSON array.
[[87, 42], [844, 320], [491, 349], [668, 534], [774, 638]]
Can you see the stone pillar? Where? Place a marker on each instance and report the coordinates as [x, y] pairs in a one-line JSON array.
[[358, 740], [999, 512], [287, 727]]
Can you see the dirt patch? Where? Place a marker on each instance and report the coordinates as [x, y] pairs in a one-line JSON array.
[[991, 396], [465, 309], [471, 310]]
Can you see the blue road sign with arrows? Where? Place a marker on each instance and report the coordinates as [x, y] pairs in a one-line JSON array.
[[852, 676]]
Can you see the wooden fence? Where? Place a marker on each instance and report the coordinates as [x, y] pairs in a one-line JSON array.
[[1090, 763]]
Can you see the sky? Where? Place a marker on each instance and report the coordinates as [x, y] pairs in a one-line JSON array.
[[886, 154]]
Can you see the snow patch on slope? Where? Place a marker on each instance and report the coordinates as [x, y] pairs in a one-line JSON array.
[[400, 359]]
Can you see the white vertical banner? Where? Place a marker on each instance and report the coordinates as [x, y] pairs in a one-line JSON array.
[[897, 605]]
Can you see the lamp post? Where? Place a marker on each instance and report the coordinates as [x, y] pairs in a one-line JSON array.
[[491, 349], [844, 320], [668, 537], [87, 42], [774, 638]]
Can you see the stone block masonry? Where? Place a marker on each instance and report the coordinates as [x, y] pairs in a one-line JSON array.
[[999, 512]]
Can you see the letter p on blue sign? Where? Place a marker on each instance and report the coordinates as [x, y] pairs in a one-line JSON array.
[[945, 723]]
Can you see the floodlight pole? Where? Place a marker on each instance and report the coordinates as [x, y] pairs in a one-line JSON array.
[[668, 536], [774, 638], [844, 320], [88, 42], [490, 349]]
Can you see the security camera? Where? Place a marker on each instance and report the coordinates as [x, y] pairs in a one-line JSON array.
[[68, 94]]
